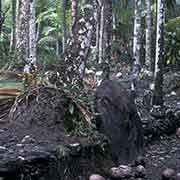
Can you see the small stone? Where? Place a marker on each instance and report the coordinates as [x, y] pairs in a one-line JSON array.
[[178, 132], [140, 171], [168, 174], [96, 177], [140, 161], [21, 158], [178, 176], [19, 145], [3, 149], [161, 158], [75, 149], [28, 140], [1, 130], [121, 172]]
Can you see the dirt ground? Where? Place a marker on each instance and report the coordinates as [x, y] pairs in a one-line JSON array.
[[162, 154], [159, 154]]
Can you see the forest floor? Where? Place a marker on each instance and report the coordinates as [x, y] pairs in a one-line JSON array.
[[159, 154], [162, 154]]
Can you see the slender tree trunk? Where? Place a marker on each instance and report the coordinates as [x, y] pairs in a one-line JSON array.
[[13, 29], [17, 19], [64, 25], [32, 34], [1, 17], [108, 27], [114, 25], [101, 35], [137, 33], [76, 54], [0, 8], [105, 34], [148, 57], [98, 32], [58, 47], [22, 45], [74, 12], [159, 62]]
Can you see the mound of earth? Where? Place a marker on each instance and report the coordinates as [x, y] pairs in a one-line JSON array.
[[35, 144], [120, 121]]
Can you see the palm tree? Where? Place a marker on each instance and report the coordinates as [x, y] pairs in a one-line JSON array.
[[101, 33], [105, 31], [137, 32], [74, 12], [78, 48], [64, 25], [108, 27], [159, 61], [32, 33], [1, 18], [98, 26], [13, 29], [22, 45], [148, 56]]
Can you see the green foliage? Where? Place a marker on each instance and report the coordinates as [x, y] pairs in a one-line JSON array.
[[4, 50], [123, 12], [173, 24], [172, 42], [79, 112], [51, 30], [173, 48]]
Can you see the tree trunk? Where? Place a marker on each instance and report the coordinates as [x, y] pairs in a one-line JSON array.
[[13, 29], [32, 34], [137, 33], [114, 25], [159, 62], [105, 34], [64, 25], [75, 56], [17, 19], [22, 45], [148, 57], [1, 17], [108, 27], [101, 35], [38, 32], [74, 12], [58, 47], [98, 23]]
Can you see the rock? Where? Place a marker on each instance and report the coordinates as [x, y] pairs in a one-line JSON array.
[[75, 149], [157, 112], [1, 130], [168, 174], [96, 177], [140, 171], [171, 82], [3, 149], [121, 172], [178, 132], [28, 140], [140, 161], [120, 121], [178, 176]]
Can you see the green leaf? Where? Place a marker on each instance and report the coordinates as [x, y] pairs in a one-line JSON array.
[[71, 108]]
